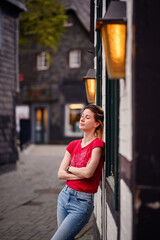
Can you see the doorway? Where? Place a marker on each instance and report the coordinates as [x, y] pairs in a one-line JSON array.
[[40, 124]]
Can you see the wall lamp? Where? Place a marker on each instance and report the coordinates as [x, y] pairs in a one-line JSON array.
[[90, 85], [113, 31]]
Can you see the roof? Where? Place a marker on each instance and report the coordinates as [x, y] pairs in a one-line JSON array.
[[18, 3], [82, 10]]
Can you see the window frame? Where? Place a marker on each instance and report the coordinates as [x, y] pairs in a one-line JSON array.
[[67, 132], [69, 22], [80, 58], [41, 64], [112, 141], [111, 122]]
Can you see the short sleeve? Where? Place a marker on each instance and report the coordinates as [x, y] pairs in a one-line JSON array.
[[70, 147], [98, 143]]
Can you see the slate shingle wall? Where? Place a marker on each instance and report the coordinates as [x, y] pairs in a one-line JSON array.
[[8, 84], [71, 88]]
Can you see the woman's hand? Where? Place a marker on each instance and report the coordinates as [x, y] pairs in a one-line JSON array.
[[88, 171], [62, 174]]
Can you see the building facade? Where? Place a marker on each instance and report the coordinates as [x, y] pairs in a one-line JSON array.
[[9, 25], [54, 90], [127, 205]]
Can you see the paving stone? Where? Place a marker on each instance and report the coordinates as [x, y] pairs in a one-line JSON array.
[[28, 195]]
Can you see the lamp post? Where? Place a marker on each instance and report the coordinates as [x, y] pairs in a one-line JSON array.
[[113, 31], [90, 85]]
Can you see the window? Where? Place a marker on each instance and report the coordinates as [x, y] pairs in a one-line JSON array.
[[73, 113], [112, 138], [111, 122], [69, 22], [75, 59], [43, 61]]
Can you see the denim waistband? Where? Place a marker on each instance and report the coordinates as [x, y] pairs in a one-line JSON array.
[[79, 194]]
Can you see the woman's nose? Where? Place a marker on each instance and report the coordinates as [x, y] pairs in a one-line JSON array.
[[82, 119]]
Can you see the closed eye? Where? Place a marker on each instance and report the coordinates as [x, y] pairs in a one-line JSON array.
[[87, 116]]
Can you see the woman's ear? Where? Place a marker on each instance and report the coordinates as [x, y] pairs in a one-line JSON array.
[[97, 124]]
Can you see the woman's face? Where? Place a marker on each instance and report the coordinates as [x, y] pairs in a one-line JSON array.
[[87, 121]]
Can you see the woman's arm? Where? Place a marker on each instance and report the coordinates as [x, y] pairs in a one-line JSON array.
[[88, 171], [62, 174]]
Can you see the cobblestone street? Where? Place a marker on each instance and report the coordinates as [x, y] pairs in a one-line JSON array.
[[28, 195]]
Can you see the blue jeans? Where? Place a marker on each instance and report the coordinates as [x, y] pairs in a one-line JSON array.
[[73, 213]]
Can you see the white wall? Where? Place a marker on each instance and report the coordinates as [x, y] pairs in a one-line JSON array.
[[125, 136], [126, 212], [98, 210], [125, 142], [111, 226]]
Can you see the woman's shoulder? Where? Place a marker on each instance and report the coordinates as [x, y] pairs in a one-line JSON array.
[[98, 143], [72, 145], [74, 142]]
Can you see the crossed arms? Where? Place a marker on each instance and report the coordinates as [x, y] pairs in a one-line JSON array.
[[79, 173]]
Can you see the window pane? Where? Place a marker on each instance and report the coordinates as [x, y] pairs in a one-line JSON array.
[[43, 61], [72, 116], [75, 59], [69, 22]]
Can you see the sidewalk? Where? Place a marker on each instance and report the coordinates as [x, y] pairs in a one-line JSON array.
[[28, 195]]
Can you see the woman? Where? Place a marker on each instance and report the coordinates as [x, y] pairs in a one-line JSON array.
[[81, 167]]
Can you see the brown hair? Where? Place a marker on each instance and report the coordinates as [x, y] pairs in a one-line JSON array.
[[99, 117]]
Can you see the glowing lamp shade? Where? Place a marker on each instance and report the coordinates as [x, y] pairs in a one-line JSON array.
[[114, 39], [90, 85], [113, 31]]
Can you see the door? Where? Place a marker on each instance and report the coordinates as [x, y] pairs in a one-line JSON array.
[[41, 125]]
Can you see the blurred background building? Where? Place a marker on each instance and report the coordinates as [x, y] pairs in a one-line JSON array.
[[9, 28], [52, 96], [53, 90]]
